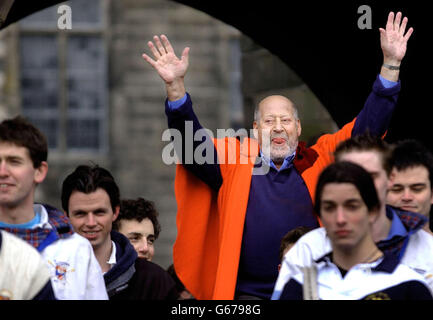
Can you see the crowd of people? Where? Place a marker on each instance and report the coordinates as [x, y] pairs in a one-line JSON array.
[[268, 217]]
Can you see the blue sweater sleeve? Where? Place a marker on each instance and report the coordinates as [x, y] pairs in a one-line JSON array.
[[377, 112], [387, 83], [182, 118], [172, 105]]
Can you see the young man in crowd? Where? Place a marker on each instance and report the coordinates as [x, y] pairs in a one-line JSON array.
[[356, 269], [91, 198], [411, 177], [138, 221], [75, 273]]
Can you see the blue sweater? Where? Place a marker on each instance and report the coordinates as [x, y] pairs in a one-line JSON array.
[[278, 201]]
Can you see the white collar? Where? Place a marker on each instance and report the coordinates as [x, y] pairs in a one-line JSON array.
[[112, 260], [43, 223]]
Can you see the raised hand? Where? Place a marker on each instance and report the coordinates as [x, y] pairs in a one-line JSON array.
[[165, 62], [393, 39], [169, 67]]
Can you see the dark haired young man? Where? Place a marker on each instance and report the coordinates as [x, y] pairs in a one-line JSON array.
[[91, 198], [356, 269], [411, 177], [75, 273], [138, 221]]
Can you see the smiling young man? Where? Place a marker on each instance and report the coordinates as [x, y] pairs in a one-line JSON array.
[[138, 221], [411, 177], [92, 215], [75, 273], [91, 198]]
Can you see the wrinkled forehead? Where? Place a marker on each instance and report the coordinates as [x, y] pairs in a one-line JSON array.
[[276, 105]]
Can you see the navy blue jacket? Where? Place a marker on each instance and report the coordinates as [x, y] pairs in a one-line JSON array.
[[133, 278]]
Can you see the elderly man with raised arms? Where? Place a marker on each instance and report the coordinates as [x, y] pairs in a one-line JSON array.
[[234, 210]]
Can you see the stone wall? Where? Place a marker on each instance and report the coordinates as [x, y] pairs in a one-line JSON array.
[[137, 96]]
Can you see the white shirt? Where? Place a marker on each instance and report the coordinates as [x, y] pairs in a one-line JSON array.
[[315, 244], [112, 260], [75, 272], [364, 280]]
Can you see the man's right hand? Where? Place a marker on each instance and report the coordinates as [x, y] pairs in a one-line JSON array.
[[393, 41], [169, 67]]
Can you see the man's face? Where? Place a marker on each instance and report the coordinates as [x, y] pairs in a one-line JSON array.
[[277, 128], [371, 161], [18, 177], [411, 190], [344, 215], [141, 235], [92, 216]]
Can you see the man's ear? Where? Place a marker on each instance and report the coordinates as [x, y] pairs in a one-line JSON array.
[[255, 131], [116, 212], [299, 127], [41, 172], [373, 215]]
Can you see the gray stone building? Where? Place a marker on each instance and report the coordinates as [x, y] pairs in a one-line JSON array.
[[88, 89]]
